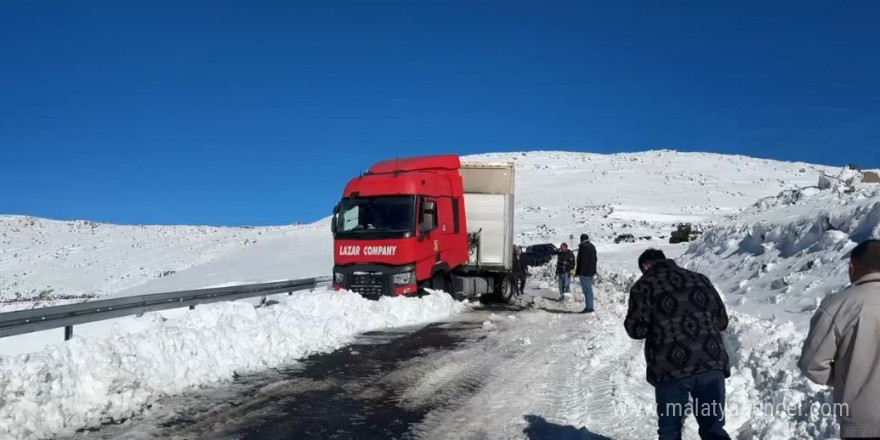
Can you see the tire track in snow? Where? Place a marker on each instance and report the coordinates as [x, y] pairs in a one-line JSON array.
[[563, 385], [618, 381], [548, 374], [516, 376]]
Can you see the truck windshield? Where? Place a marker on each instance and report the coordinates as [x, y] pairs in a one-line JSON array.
[[379, 217]]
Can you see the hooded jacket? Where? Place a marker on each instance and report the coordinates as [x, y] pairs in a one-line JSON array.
[[842, 350]]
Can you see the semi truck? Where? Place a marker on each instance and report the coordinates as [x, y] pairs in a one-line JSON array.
[[434, 222]]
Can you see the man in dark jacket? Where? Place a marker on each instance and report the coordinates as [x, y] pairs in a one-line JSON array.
[[586, 270], [520, 271], [681, 316], [564, 268]]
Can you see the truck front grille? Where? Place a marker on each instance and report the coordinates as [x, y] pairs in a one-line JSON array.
[[368, 285]]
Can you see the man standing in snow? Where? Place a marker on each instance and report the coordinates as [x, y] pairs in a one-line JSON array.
[[520, 271], [681, 316], [842, 349], [564, 267], [586, 270]]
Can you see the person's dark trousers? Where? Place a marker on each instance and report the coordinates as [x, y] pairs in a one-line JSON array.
[[521, 284], [673, 395]]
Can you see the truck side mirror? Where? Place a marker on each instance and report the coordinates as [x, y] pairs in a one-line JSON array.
[[428, 223], [333, 225], [429, 216]]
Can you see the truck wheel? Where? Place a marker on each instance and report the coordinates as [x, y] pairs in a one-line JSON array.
[[504, 289], [423, 288], [437, 282], [441, 282]]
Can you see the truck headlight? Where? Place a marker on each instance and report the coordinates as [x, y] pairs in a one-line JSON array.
[[404, 278], [338, 277]]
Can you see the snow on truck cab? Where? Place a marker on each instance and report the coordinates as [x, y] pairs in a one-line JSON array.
[[426, 222]]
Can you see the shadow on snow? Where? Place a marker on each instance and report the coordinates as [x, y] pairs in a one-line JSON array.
[[540, 429]]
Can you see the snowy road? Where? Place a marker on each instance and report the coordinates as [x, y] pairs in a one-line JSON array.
[[498, 373]]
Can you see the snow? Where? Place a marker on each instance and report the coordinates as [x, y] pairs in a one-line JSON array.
[[559, 194], [776, 242], [586, 377], [780, 257], [775, 263], [89, 381], [45, 260]]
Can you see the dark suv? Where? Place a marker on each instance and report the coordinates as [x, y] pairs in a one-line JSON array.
[[539, 254]]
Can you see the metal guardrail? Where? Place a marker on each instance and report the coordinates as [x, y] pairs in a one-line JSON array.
[[46, 318]]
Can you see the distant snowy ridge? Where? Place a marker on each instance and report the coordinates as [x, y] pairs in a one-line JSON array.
[[644, 194], [557, 194], [86, 382]]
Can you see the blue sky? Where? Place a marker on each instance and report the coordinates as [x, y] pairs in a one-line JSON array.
[[234, 113]]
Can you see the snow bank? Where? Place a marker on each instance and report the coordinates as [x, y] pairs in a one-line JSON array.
[[773, 264], [86, 382], [776, 262], [780, 257], [767, 396]]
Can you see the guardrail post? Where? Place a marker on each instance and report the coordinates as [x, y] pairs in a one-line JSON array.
[[68, 332]]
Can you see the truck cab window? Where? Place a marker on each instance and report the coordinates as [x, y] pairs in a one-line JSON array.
[[377, 216], [350, 218]]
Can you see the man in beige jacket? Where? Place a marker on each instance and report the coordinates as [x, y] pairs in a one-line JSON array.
[[843, 347]]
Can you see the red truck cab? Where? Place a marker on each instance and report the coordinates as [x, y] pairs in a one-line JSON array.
[[400, 226]]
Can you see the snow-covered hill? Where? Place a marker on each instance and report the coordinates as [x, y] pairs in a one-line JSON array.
[[775, 246], [559, 194], [48, 260], [644, 194]]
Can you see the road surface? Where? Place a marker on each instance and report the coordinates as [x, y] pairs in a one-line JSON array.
[[541, 372]]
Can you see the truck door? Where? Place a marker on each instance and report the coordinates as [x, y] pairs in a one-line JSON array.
[[443, 238]]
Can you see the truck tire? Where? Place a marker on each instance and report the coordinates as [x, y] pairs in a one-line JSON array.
[[437, 282], [504, 289]]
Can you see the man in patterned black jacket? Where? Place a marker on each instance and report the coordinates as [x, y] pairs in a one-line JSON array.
[[680, 316]]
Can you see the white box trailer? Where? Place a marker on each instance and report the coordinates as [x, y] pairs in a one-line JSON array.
[[489, 213]]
